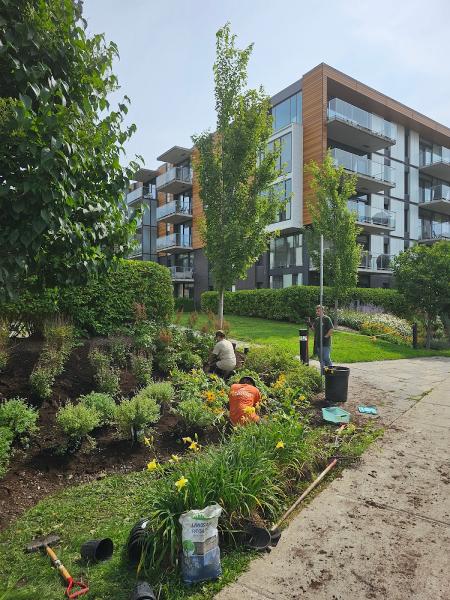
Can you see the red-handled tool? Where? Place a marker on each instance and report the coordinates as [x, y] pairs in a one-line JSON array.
[[74, 588]]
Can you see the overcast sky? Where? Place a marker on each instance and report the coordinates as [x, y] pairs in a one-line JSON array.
[[399, 47]]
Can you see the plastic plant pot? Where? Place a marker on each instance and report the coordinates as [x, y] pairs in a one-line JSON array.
[[97, 550], [257, 538], [137, 541], [142, 591]]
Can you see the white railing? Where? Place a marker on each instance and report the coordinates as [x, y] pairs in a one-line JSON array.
[[182, 272], [178, 240], [172, 208], [363, 166], [183, 174], [372, 215], [344, 111]]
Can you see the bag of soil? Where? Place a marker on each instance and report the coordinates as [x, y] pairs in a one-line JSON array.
[[200, 559]]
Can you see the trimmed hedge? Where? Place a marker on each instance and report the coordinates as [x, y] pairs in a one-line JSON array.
[[298, 302], [186, 304], [105, 303]]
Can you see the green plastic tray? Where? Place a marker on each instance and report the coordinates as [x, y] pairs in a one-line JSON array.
[[334, 414]]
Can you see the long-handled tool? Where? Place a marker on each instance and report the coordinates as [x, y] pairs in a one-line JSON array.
[[74, 588]]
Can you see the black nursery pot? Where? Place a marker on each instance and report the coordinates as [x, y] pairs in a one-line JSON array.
[[136, 541], [97, 550], [142, 591]]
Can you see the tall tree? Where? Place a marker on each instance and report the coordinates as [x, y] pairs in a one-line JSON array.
[[235, 170], [332, 187], [62, 212], [422, 275]]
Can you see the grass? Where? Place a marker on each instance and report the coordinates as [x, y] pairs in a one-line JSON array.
[[347, 347]]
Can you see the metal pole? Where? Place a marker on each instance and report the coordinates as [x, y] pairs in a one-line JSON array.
[[321, 304], [414, 335]]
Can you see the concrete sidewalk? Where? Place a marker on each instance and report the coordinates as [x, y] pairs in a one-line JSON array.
[[383, 529]]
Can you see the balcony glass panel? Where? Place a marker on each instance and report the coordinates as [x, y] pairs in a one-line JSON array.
[[363, 165], [180, 240], [436, 192], [181, 272], [177, 206], [381, 262], [435, 229], [372, 215], [439, 154], [358, 117], [146, 191], [174, 174]]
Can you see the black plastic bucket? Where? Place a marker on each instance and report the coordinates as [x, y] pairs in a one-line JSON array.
[[336, 384], [97, 550], [137, 541], [142, 591]]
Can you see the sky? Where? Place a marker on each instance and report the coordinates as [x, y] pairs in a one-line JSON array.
[[167, 49]]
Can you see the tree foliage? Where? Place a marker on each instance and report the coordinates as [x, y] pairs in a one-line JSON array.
[[235, 170], [332, 187], [62, 213], [422, 275]]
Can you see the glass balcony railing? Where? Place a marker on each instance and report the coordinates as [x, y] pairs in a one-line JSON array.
[[339, 109], [140, 193], [381, 262], [434, 234], [363, 166], [435, 193], [182, 174], [172, 208], [437, 155], [182, 272], [173, 240], [371, 215]]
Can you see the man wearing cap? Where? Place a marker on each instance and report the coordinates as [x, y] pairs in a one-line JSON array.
[[223, 359], [244, 400]]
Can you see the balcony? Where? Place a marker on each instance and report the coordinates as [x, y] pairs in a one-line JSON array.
[[436, 199], [375, 264], [182, 273], [436, 163], [373, 177], [174, 243], [373, 220], [175, 181], [174, 212], [144, 192], [358, 128]]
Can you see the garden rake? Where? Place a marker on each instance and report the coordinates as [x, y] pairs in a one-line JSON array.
[[74, 588]]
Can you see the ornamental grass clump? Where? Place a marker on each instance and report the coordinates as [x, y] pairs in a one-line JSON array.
[[59, 339], [250, 475]]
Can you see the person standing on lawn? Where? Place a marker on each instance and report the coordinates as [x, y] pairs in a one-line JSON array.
[[327, 332], [223, 358], [244, 398]]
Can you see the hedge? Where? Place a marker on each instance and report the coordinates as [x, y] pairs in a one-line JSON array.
[[105, 303], [186, 304], [298, 302]]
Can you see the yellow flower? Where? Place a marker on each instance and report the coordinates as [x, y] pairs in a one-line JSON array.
[[152, 465], [181, 483], [279, 445], [194, 446], [187, 440], [209, 396], [148, 441], [176, 458], [249, 410]]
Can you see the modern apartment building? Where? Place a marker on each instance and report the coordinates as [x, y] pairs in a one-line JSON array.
[[401, 159]]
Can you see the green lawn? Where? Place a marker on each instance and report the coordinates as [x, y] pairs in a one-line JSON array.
[[347, 347]]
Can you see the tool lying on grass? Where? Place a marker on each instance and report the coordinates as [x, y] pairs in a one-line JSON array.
[[74, 588], [261, 538]]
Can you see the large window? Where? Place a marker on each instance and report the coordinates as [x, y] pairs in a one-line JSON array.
[[288, 111], [286, 251], [284, 161], [284, 190]]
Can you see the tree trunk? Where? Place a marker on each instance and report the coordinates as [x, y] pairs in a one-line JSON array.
[[336, 317], [429, 325], [220, 311]]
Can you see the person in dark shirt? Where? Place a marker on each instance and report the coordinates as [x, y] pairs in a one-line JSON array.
[[327, 331]]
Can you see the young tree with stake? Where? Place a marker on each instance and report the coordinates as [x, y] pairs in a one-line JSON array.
[[235, 170]]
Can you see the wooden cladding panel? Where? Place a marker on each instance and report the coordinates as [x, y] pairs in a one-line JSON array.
[[314, 128]]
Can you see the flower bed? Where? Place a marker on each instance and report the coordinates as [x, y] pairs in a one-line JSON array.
[[382, 325]]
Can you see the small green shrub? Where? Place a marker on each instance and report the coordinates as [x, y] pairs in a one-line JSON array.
[[103, 404], [4, 341], [307, 379], [77, 421], [135, 415], [165, 361], [187, 361], [161, 391], [19, 418], [6, 438], [141, 367], [270, 362], [119, 351], [41, 381], [106, 377], [196, 414]]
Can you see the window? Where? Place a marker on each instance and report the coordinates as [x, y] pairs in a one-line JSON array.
[[276, 282], [284, 189], [288, 111], [284, 161], [286, 251]]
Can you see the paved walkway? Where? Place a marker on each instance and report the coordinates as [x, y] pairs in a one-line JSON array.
[[382, 530]]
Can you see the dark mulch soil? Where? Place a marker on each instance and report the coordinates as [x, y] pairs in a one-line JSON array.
[[41, 470]]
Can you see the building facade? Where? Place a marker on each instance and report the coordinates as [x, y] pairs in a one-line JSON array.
[[401, 159]]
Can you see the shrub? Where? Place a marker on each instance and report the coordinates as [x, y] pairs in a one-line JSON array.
[[161, 391], [298, 302], [6, 438], [135, 415], [4, 340], [16, 415], [305, 379], [103, 404], [186, 304], [196, 414], [166, 361], [106, 377], [270, 362], [187, 360], [77, 421], [58, 343], [386, 326], [141, 367], [119, 351]]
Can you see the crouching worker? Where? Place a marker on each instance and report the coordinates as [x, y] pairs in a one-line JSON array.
[[223, 357], [244, 400]]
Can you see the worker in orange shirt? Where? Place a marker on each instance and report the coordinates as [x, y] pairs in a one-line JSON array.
[[244, 400]]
